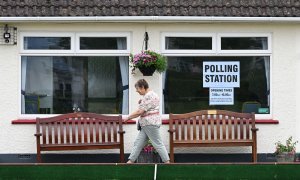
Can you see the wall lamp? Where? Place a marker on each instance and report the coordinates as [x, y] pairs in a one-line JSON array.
[[9, 35], [6, 34]]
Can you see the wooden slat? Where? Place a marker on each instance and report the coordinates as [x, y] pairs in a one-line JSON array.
[[115, 131], [235, 128], [85, 131], [241, 128], [176, 130], [218, 129], [182, 129], [108, 131], [188, 131], [55, 133], [44, 133], [247, 129], [206, 127], [91, 129], [224, 127], [73, 131], [229, 128], [79, 130], [194, 128], [103, 123], [212, 127], [97, 130], [61, 132], [200, 127], [50, 133], [68, 130]]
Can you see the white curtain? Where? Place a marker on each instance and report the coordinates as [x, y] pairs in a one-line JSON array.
[[124, 67], [267, 69], [37, 79], [23, 83], [163, 92]]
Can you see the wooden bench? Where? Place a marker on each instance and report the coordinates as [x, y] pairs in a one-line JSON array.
[[212, 128], [79, 131]]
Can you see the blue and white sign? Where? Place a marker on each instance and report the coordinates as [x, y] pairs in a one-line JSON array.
[[221, 96], [221, 74]]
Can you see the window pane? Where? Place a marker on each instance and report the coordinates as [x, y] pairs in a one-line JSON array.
[[54, 85], [184, 90], [240, 43], [59, 43], [203, 43], [91, 43]]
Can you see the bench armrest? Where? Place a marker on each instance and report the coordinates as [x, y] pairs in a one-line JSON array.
[[121, 132], [171, 131], [254, 129], [38, 134]]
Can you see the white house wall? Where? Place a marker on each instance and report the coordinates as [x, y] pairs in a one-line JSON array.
[[16, 138]]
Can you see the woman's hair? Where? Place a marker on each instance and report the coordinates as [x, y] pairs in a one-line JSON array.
[[142, 83]]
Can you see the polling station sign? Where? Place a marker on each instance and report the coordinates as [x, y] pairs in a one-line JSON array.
[[221, 74], [221, 96]]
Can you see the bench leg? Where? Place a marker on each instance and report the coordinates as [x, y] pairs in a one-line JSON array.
[[171, 154], [122, 155], [38, 156], [254, 153]]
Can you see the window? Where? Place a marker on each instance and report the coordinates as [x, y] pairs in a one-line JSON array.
[[204, 43], [244, 43], [93, 43], [47, 43], [183, 81], [58, 83], [175, 43], [57, 43]]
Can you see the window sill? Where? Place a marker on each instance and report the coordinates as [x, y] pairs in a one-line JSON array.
[[164, 121]]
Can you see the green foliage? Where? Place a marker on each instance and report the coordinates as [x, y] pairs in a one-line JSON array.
[[289, 147]]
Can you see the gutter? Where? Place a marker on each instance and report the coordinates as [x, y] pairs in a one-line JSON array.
[[190, 19]]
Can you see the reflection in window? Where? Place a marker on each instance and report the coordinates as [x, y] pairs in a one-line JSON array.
[[47, 43], [201, 43], [54, 85], [246, 43], [184, 90], [93, 43]]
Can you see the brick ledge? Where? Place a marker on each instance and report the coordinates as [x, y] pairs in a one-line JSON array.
[[164, 121]]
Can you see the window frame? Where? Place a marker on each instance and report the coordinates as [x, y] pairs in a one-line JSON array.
[[243, 35], [187, 51], [72, 52], [219, 53], [44, 51], [103, 34]]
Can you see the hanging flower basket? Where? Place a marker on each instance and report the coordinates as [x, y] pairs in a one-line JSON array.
[[148, 62], [147, 70]]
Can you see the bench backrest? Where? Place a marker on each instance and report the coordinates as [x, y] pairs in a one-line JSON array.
[[209, 125], [78, 128]]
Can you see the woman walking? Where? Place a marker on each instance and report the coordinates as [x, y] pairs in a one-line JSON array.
[[150, 122]]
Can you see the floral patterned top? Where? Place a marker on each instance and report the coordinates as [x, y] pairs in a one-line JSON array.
[[150, 104]]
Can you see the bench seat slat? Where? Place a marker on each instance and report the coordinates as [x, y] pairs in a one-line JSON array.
[[83, 146], [213, 142]]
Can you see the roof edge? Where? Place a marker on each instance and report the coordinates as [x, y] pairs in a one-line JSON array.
[[195, 19]]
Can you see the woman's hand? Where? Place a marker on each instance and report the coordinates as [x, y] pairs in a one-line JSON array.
[[125, 119]]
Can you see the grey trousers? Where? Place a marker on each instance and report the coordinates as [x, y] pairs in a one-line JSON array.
[[152, 133]]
